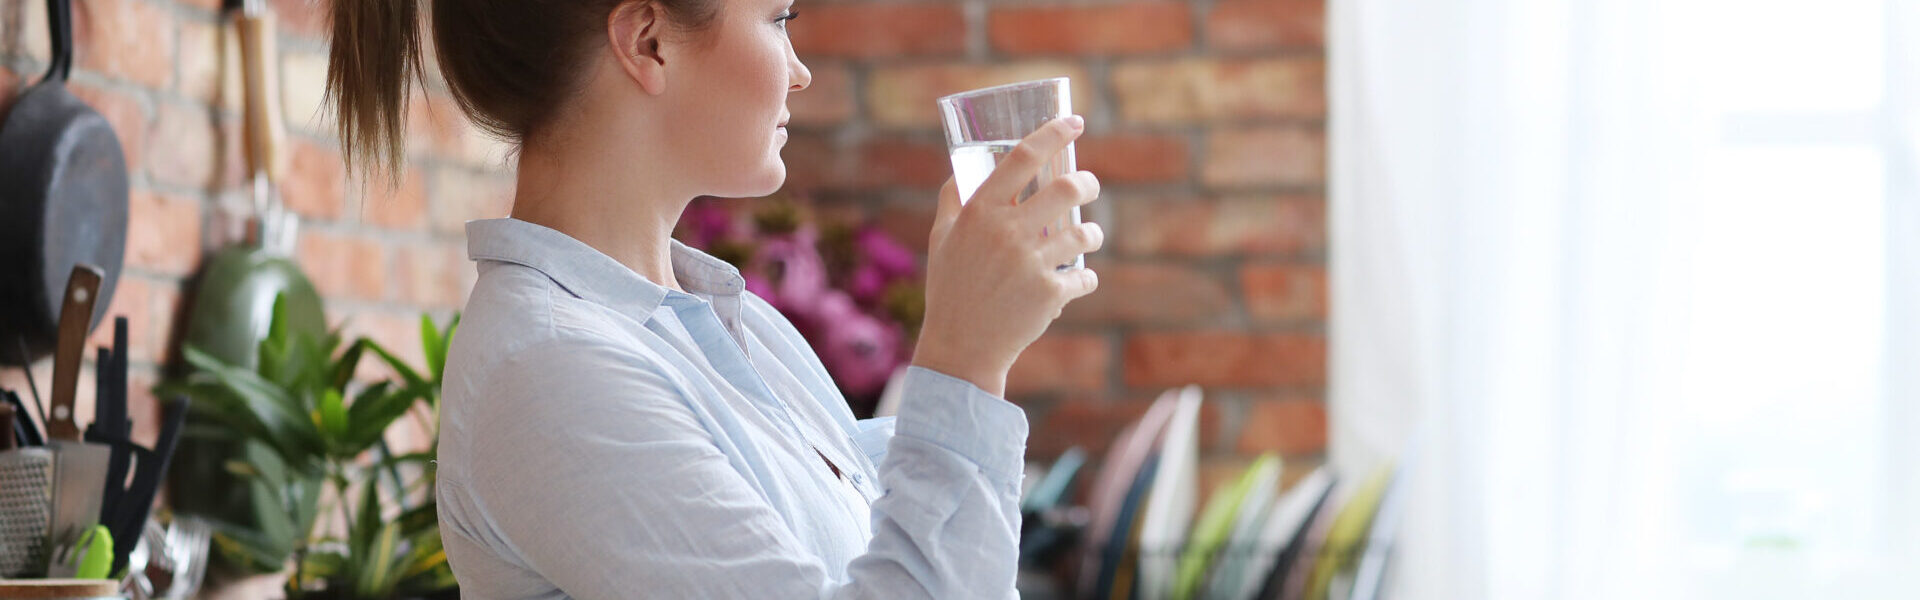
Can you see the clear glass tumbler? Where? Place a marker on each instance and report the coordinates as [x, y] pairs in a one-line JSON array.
[[983, 125]]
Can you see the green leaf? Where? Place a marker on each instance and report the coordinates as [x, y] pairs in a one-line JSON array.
[[432, 346], [360, 533], [344, 367], [374, 411], [324, 565], [399, 366], [378, 580], [333, 415], [248, 548], [426, 554], [256, 404]]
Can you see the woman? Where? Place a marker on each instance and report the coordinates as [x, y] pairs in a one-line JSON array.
[[622, 419]]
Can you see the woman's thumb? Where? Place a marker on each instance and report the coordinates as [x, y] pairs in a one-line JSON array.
[[945, 213]]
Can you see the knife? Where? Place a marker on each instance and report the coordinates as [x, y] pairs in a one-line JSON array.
[[110, 426], [80, 469]]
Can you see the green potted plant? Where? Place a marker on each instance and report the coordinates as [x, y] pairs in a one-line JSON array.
[[326, 494]]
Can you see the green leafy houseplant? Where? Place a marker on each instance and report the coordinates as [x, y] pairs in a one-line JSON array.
[[303, 426]]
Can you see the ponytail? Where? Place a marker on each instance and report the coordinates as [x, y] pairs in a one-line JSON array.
[[375, 57], [511, 65]]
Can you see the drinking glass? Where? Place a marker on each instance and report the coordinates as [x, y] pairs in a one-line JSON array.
[[984, 125]]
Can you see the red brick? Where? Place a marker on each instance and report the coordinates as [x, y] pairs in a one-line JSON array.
[[402, 207], [1062, 362], [428, 275], [163, 232], [1285, 292], [1285, 225], [142, 406], [181, 150], [344, 266], [1088, 422], [131, 39], [910, 223], [133, 299], [210, 63], [315, 180], [1265, 157], [1267, 24], [1202, 89], [1151, 293], [810, 156], [123, 112], [828, 100], [34, 42], [1133, 158], [899, 162], [868, 30], [435, 125], [1225, 358], [904, 96], [1102, 29], [460, 195], [170, 318], [308, 19], [1091, 421], [1289, 426], [814, 160]]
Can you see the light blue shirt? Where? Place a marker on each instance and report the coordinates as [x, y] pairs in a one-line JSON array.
[[605, 437]]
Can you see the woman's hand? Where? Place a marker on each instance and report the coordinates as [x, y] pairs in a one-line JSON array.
[[992, 286]]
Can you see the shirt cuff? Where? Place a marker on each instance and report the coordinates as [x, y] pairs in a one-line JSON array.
[[959, 416]]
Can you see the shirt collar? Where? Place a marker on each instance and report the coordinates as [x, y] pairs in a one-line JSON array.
[[594, 276]]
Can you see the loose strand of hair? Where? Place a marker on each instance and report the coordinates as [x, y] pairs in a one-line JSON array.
[[375, 57]]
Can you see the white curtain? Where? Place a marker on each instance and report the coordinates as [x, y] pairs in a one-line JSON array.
[[1631, 284]]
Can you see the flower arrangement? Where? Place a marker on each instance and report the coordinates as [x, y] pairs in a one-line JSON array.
[[854, 293]]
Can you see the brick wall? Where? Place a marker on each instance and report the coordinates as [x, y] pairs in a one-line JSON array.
[[1206, 125], [1205, 119]]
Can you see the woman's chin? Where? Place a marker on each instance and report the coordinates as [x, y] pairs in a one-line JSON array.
[[762, 182]]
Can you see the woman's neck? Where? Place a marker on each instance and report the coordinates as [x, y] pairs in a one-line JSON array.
[[599, 194]]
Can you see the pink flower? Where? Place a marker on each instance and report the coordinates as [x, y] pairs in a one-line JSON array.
[[707, 222], [798, 275], [868, 282], [881, 251], [857, 349]]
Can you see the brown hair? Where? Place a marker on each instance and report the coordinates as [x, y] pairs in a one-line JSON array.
[[510, 64]]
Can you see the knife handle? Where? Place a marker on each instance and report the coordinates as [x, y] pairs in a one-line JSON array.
[[76, 315]]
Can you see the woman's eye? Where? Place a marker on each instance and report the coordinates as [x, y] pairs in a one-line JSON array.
[[782, 20]]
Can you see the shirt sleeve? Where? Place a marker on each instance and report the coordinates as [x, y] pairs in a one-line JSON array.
[[603, 481]]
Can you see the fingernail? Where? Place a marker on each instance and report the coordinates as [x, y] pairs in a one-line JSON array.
[[1076, 122]]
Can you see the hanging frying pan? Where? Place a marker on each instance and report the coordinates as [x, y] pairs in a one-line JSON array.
[[233, 305], [63, 201]]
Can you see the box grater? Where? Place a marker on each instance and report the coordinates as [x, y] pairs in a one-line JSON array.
[[26, 510]]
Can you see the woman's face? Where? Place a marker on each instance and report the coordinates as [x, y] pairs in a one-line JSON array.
[[730, 110]]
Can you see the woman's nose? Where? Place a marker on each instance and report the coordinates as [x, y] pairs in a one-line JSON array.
[[797, 74]]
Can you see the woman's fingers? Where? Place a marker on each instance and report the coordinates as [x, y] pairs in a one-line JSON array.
[[1075, 283], [1055, 202], [1020, 166], [1061, 246]]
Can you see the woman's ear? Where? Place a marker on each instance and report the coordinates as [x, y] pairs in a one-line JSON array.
[[633, 31]]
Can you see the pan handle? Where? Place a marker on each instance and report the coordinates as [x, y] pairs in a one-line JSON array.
[[266, 129], [60, 32]]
